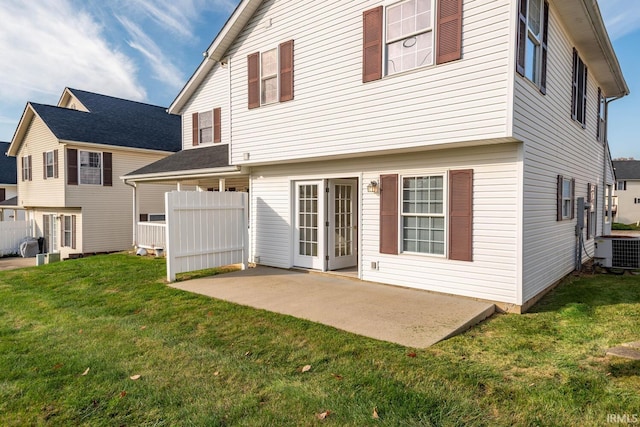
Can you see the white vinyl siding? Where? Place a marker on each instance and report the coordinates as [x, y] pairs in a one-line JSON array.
[[554, 145], [212, 93], [492, 274], [334, 114]]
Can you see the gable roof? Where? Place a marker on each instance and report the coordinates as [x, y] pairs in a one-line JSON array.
[[110, 121], [216, 50], [8, 166], [627, 169], [191, 162]]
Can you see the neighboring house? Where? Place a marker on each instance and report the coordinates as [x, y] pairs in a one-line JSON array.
[[433, 144], [627, 191], [8, 186], [70, 158]]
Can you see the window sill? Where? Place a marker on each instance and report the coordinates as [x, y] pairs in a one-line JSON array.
[[531, 83]]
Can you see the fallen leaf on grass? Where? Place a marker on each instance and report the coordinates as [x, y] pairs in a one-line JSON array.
[[412, 354], [123, 394], [80, 331], [58, 366], [323, 415], [142, 328], [135, 377], [216, 373], [336, 376], [306, 368], [375, 413], [247, 354], [86, 371]]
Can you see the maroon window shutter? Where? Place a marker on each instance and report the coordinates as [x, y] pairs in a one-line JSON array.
[[573, 198], [55, 163], [253, 74], [522, 36], [30, 163], [389, 214], [449, 34], [73, 231], [44, 165], [286, 71], [543, 48], [372, 44], [62, 230], [461, 215], [559, 199], [24, 170], [45, 232], [3, 194], [584, 98], [72, 166], [107, 169], [195, 137], [217, 124]]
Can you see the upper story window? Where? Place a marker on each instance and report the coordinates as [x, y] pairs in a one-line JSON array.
[[621, 185], [409, 35], [601, 120], [207, 127], [50, 164], [26, 168], [90, 167], [579, 90], [533, 31], [270, 75]]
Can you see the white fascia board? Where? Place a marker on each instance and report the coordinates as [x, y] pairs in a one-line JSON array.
[[185, 174], [107, 147]]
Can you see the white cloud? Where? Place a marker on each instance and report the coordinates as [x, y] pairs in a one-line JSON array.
[[163, 69], [621, 17], [49, 45]]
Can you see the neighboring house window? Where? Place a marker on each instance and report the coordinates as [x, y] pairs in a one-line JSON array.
[[409, 35], [3, 194], [207, 127], [621, 185], [26, 168], [50, 233], [90, 167], [270, 75], [420, 224], [636, 200], [69, 231], [156, 217], [579, 92], [422, 214], [565, 190], [411, 39], [50, 164]]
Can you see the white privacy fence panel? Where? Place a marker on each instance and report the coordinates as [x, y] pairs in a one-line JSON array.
[[151, 235], [12, 233], [205, 230]]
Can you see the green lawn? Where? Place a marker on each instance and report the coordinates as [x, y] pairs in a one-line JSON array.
[[207, 362]]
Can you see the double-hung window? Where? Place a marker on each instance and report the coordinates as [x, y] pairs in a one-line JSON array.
[[409, 35], [567, 198], [205, 127], [423, 214], [579, 90], [621, 185], [26, 168], [49, 164], [90, 167], [533, 31], [270, 75]]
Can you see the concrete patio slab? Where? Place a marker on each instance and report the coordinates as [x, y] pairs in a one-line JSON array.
[[409, 317], [12, 263]]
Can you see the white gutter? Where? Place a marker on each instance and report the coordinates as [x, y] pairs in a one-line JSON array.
[[605, 156], [185, 174], [112, 147]]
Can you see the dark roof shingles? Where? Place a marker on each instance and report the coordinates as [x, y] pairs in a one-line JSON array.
[[8, 166], [114, 121], [627, 169], [216, 156]]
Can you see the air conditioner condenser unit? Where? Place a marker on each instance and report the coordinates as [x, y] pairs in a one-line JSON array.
[[617, 252]]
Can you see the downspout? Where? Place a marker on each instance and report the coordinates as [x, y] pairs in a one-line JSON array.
[[135, 214], [605, 145]]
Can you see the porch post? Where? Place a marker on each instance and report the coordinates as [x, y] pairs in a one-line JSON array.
[[178, 186], [221, 184], [136, 216]]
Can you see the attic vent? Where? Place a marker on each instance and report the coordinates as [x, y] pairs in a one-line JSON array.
[[73, 106]]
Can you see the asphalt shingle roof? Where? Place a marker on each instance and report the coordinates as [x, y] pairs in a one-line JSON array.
[[627, 169], [10, 202], [216, 156], [8, 168], [114, 121]]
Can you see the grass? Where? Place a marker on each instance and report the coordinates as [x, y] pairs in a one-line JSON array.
[[207, 362]]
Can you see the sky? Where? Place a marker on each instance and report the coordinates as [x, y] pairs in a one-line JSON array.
[[146, 50]]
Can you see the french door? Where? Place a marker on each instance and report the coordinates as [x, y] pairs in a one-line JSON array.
[[325, 224]]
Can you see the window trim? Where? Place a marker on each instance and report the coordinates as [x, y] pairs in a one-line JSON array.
[[444, 215], [101, 153], [566, 199], [201, 128], [27, 168], [275, 76], [579, 91], [49, 162], [524, 34]]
